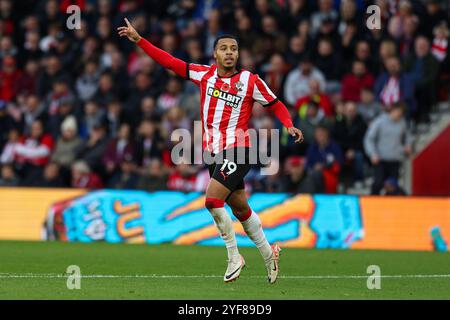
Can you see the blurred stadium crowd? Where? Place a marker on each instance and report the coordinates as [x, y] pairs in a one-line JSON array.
[[84, 108]]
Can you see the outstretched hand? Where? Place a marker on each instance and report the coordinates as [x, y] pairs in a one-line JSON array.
[[129, 31], [296, 133]]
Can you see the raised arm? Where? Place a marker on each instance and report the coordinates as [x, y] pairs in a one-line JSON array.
[[160, 56]]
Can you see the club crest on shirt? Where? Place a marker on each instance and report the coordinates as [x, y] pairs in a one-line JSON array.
[[238, 86]]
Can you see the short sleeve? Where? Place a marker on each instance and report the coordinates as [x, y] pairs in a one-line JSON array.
[[263, 94]]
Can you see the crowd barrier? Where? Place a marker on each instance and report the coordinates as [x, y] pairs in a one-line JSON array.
[[304, 221]]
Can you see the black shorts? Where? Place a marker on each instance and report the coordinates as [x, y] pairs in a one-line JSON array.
[[230, 167]]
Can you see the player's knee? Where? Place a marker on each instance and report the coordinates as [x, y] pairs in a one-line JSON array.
[[212, 203], [242, 213]]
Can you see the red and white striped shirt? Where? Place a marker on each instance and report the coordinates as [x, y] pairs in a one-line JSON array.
[[226, 105], [226, 102]]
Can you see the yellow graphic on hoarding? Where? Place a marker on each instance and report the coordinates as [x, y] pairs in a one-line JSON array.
[[128, 213], [23, 210]]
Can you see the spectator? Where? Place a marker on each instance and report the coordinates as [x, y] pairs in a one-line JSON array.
[[435, 15], [298, 180], [406, 41], [441, 51], [171, 96], [297, 49], [387, 49], [117, 149], [106, 91], [87, 83], [6, 123], [194, 52], [270, 40], [386, 142], [397, 23], [213, 30], [325, 157], [424, 69], [313, 117], [67, 107], [440, 47], [93, 149], [297, 11], [52, 72], [142, 88], [10, 144], [114, 117], [349, 133], [51, 177], [60, 91], [149, 144], [349, 39], [353, 82], [245, 32], [7, 47], [83, 177], [316, 96], [392, 188], [174, 119], [364, 54], [8, 177], [275, 74], [329, 62], [32, 110], [368, 107], [297, 81], [125, 177], [63, 47], [9, 79], [149, 110], [394, 86], [33, 152], [31, 50], [325, 12], [93, 115], [183, 178], [68, 144], [116, 74], [155, 178], [247, 60], [27, 84]]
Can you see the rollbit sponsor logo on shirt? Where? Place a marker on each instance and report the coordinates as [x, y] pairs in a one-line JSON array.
[[230, 99]]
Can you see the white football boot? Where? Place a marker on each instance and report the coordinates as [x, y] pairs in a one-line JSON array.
[[234, 269], [272, 265]]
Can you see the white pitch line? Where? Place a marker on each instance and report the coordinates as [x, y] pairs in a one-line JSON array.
[[158, 276]]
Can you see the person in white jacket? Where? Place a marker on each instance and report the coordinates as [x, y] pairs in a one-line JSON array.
[[297, 81]]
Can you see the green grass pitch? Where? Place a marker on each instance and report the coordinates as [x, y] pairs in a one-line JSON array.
[[36, 270]]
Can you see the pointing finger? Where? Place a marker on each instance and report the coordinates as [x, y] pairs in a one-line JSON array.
[[128, 22]]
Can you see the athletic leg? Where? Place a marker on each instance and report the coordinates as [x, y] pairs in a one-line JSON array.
[[226, 174], [253, 227], [216, 193], [250, 222]]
